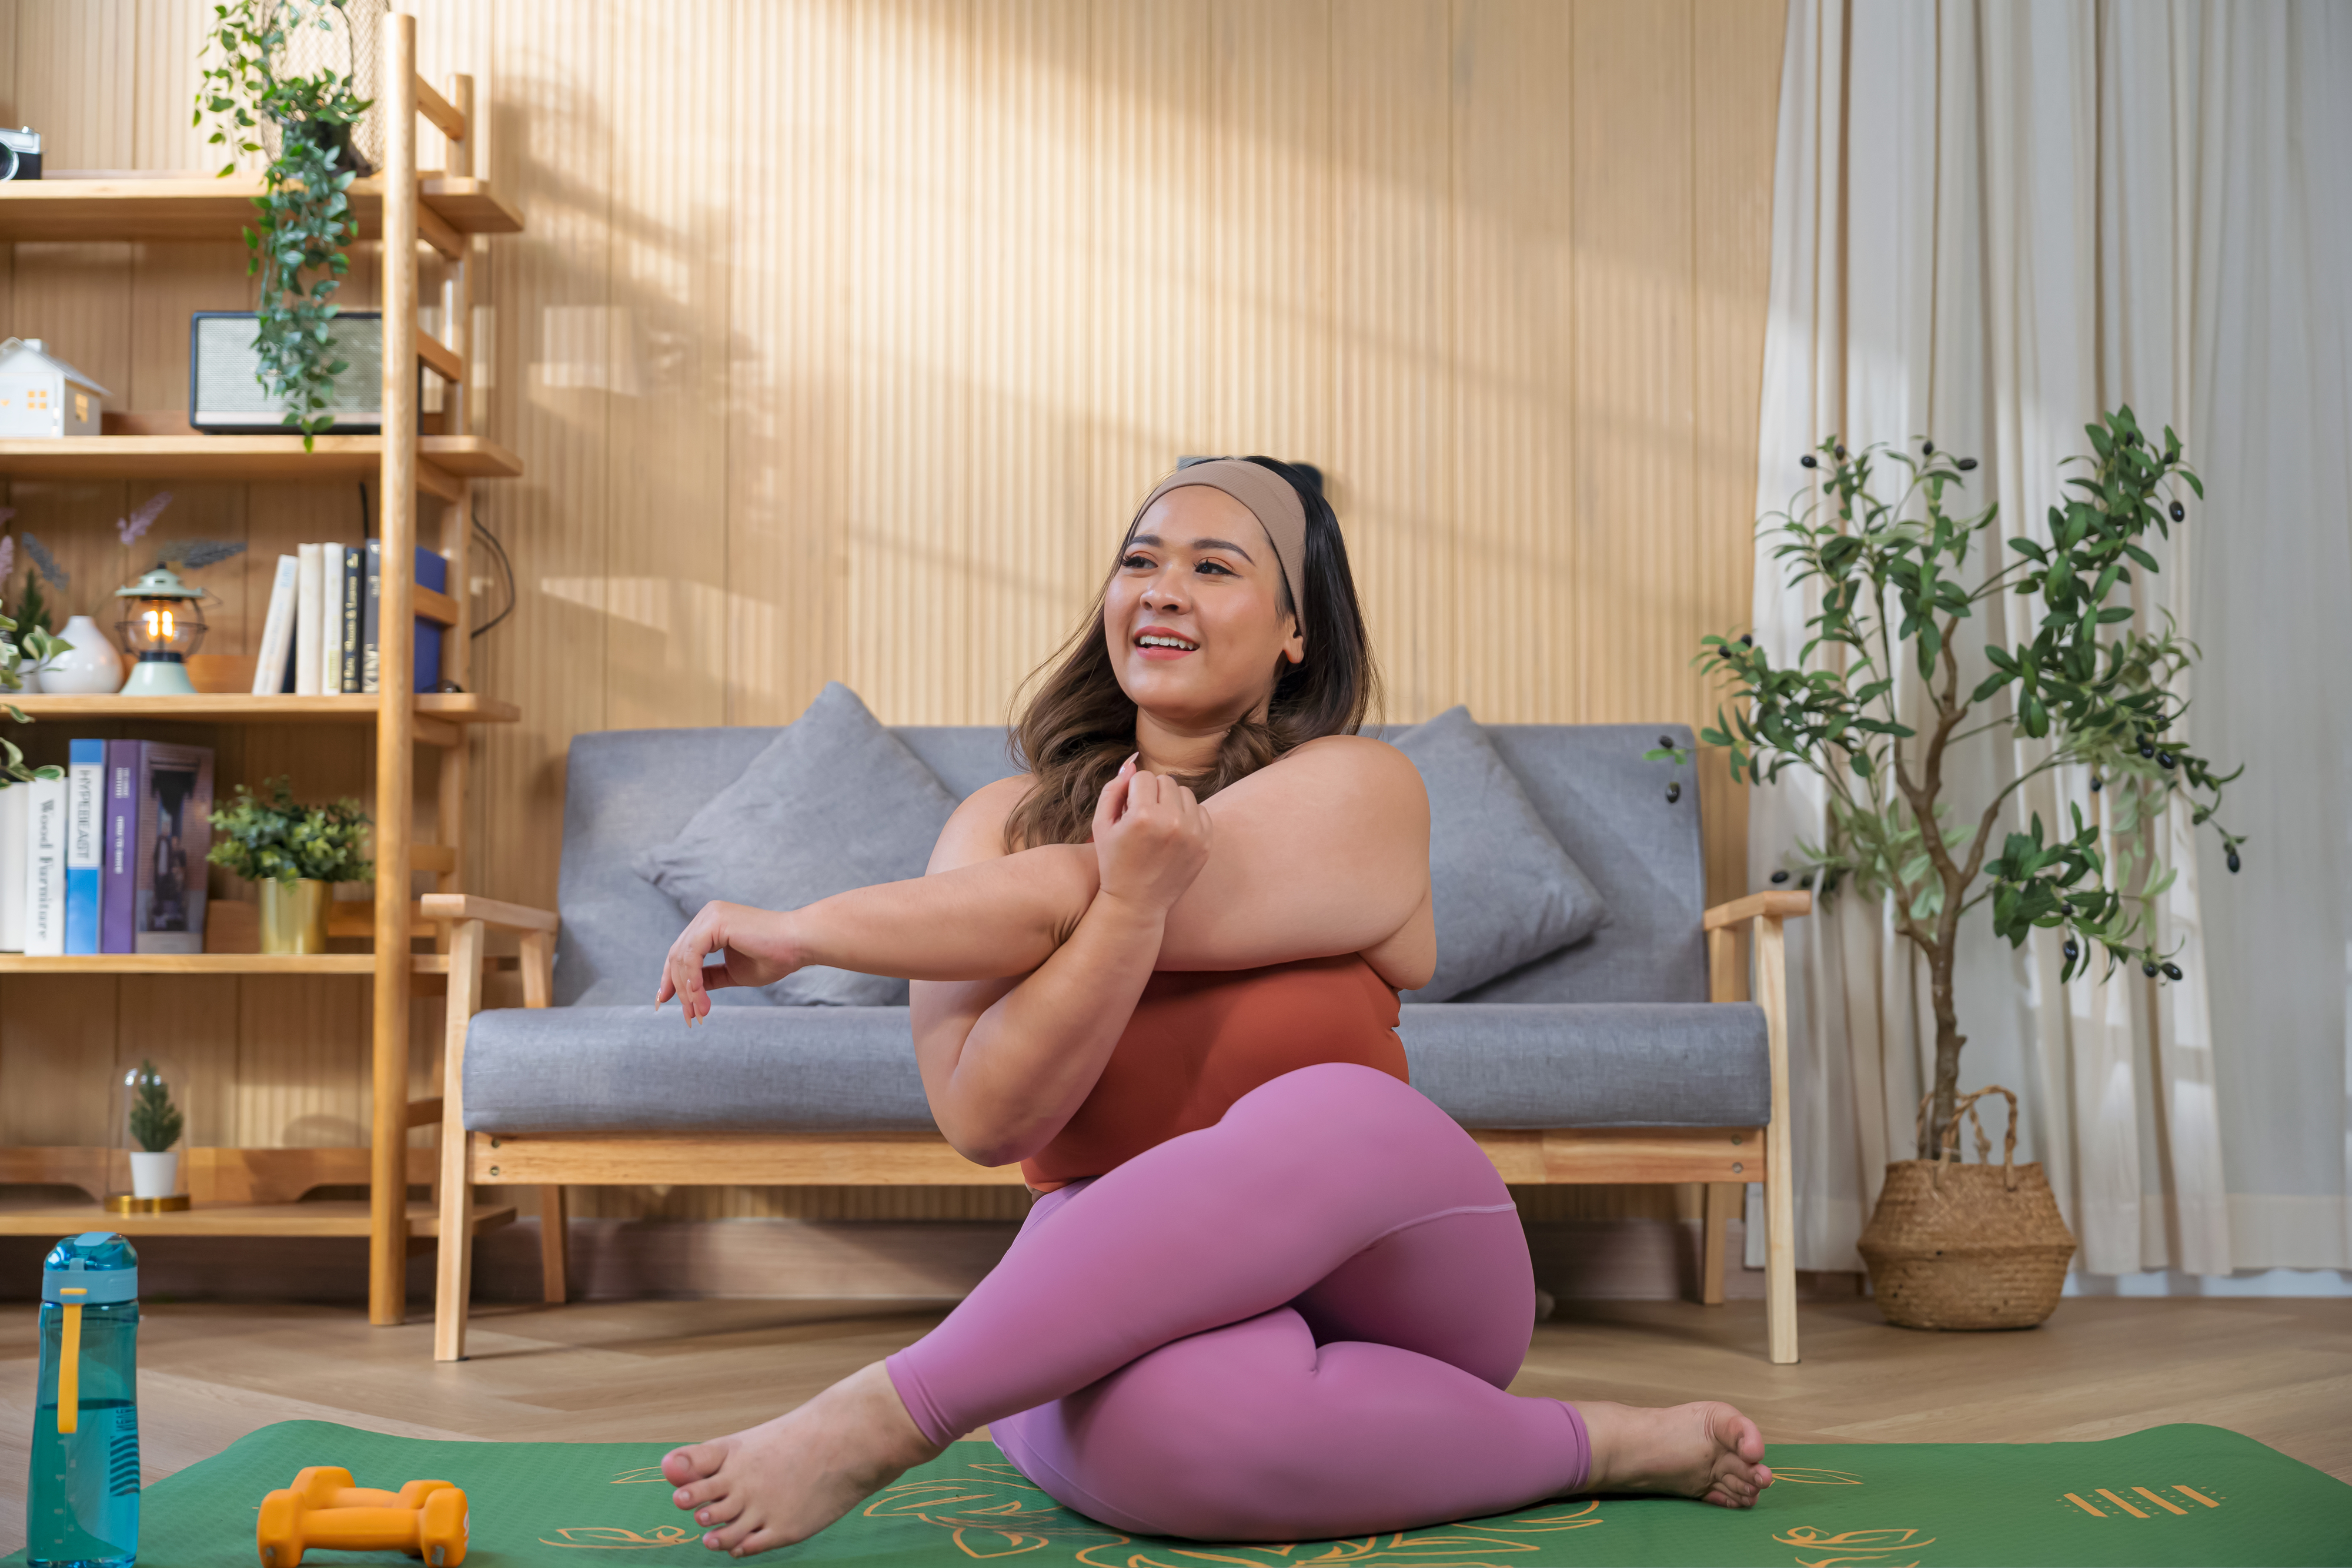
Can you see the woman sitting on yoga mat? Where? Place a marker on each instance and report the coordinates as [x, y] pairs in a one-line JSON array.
[[1271, 1292]]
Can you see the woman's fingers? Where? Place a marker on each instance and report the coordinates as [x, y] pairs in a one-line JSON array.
[[1112, 803], [683, 975]]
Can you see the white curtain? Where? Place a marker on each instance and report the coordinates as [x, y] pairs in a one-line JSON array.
[[1992, 220]]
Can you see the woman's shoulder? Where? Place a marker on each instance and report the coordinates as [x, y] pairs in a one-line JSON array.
[[1361, 758], [975, 830]]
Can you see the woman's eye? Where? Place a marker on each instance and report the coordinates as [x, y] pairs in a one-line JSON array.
[[1137, 562], [1214, 566]]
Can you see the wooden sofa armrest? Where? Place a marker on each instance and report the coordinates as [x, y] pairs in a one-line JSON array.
[[1773, 905], [1762, 913], [488, 911]]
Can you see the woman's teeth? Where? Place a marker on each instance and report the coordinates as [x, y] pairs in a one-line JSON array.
[[1164, 643]]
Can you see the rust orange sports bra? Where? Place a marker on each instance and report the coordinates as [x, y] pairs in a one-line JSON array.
[[1201, 1039]]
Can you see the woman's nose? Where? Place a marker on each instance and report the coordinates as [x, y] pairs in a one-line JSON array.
[[1163, 595]]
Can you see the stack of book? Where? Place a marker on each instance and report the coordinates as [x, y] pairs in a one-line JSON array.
[[320, 637], [110, 858]]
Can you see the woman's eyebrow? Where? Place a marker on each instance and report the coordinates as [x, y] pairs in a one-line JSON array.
[[1155, 541]]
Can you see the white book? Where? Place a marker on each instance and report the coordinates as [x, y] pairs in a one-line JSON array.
[[330, 618], [12, 819], [276, 631], [309, 612], [44, 867]]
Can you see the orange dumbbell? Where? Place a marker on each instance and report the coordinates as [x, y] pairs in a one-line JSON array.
[[322, 1510]]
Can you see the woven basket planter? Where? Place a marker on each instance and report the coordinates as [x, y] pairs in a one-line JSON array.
[[1954, 1246]]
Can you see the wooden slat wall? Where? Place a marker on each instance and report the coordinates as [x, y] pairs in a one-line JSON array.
[[847, 332]]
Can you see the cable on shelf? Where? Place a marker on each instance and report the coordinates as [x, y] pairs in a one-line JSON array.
[[506, 567]]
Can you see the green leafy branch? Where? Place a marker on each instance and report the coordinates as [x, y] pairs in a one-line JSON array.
[[299, 251], [24, 636]]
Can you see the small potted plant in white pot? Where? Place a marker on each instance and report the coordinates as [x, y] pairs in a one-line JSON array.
[[155, 1125], [148, 1122], [294, 853]]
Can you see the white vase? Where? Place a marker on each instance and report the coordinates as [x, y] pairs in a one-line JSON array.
[[155, 1175], [90, 668], [28, 680]]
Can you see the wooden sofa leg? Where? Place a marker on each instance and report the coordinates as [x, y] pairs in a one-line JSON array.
[[453, 1264], [1715, 1230], [554, 1245], [1780, 1190]]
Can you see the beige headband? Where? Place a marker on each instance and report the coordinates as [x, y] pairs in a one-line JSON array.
[[1270, 499]]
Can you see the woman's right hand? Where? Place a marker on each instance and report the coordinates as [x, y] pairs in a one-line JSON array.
[[1152, 839], [755, 947]]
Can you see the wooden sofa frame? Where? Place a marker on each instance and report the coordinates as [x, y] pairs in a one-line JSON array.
[[1724, 1158]]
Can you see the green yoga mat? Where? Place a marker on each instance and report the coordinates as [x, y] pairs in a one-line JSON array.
[[2170, 1495]]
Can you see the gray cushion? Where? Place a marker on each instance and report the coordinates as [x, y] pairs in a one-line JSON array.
[[1505, 893], [1625, 1064], [1608, 809], [629, 1068], [836, 801]]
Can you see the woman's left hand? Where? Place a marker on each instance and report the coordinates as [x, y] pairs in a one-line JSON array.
[[755, 948]]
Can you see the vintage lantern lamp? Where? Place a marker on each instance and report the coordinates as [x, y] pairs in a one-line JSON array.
[[163, 626]]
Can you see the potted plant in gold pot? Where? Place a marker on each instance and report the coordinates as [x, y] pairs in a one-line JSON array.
[[294, 853], [1874, 706]]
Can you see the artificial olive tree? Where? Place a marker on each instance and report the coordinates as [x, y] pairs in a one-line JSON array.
[[2087, 689]]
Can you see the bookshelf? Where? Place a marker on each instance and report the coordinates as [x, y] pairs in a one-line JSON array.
[[263, 1191], [443, 463]]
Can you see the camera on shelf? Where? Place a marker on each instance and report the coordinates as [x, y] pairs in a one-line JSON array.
[[20, 154]]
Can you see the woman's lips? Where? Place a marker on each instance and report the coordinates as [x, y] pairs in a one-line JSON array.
[[1160, 650]]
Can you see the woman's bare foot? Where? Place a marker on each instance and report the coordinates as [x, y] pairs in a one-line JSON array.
[[785, 1479], [1706, 1450]]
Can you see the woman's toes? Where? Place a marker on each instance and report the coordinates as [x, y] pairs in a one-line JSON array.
[[700, 1493], [692, 1463], [720, 1511], [731, 1537]]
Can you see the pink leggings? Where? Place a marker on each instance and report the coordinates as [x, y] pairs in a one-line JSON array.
[[1294, 1325]]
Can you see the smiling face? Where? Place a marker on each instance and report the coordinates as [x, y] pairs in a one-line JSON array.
[[1193, 614]]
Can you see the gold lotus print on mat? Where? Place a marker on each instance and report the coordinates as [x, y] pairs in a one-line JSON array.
[[1810, 1476], [2142, 1503], [999, 1513], [620, 1537], [1853, 1548], [641, 1475]]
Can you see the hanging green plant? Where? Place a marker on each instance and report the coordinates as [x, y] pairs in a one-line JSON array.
[[299, 251]]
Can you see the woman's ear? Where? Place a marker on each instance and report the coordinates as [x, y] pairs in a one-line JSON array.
[[1294, 647]]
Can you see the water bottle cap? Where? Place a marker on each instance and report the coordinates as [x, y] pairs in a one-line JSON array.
[[96, 1269]]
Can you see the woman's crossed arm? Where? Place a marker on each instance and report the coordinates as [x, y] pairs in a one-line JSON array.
[[1326, 852]]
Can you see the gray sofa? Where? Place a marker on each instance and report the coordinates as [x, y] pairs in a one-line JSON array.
[[1611, 1043]]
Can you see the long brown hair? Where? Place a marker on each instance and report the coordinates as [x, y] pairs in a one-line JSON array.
[[1080, 724]]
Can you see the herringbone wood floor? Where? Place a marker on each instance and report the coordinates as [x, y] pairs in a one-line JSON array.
[[2280, 1371]]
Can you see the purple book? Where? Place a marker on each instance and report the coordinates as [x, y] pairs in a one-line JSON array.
[[119, 847], [174, 797]]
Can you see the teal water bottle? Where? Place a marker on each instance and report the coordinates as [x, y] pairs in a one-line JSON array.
[[81, 1509]]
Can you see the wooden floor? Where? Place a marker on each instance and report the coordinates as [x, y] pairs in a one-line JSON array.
[[2280, 1371]]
